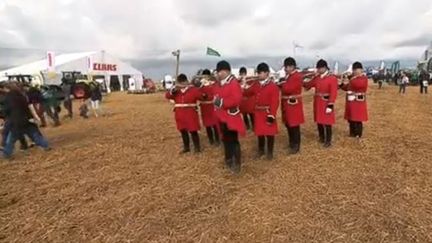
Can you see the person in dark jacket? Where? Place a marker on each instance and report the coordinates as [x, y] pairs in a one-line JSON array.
[[424, 81], [96, 98], [35, 98], [17, 112], [6, 124]]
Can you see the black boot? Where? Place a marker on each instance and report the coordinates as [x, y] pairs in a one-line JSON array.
[[216, 136], [351, 129], [328, 136], [261, 147], [196, 142], [186, 143], [270, 147], [228, 154], [236, 165], [252, 121], [210, 135], [246, 121], [359, 129], [321, 133], [295, 140]]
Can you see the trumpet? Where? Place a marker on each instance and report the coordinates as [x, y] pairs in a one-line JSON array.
[[249, 78], [182, 86]]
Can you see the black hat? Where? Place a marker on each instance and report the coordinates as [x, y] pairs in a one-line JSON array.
[[263, 67], [182, 78], [206, 72], [321, 64], [223, 65], [357, 65], [243, 70], [290, 62]]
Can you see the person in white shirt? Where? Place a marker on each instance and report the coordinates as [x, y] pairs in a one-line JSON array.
[[404, 82]]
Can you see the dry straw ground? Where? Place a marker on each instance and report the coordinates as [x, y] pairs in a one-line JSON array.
[[120, 179]]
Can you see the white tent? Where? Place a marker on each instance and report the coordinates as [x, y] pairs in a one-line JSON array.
[[98, 64]]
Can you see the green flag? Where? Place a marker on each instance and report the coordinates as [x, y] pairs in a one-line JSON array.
[[212, 52]]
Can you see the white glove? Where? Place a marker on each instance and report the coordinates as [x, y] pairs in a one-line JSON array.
[[328, 110]]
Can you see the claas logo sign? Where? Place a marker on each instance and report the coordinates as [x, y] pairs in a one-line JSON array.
[[104, 67]]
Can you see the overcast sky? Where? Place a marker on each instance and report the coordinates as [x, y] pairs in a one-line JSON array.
[[149, 30]]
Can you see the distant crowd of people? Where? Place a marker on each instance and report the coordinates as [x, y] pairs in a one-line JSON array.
[[25, 108]]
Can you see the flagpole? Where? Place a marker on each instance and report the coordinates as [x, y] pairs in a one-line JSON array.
[[178, 63], [177, 55]]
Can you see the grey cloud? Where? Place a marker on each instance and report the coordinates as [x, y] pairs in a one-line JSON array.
[[248, 31], [418, 41], [213, 13]]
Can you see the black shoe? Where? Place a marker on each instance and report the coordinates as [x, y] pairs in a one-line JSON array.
[[269, 156], [197, 150], [216, 144], [260, 154], [294, 150], [185, 151], [235, 167], [229, 163], [327, 145]]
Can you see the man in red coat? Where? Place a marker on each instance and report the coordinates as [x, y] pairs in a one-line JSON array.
[[356, 106], [292, 104], [227, 101], [208, 114], [326, 87], [266, 106], [247, 105], [186, 97]]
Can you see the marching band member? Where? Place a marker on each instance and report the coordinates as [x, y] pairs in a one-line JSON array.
[[292, 104], [266, 106], [208, 115], [247, 105], [356, 106], [326, 87], [186, 97], [227, 101]]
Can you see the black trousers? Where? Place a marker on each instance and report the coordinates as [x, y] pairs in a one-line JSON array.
[[231, 143], [294, 137], [402, 88], [423, 89], [67, 103], [262, 142], [52, 112], [213, 135], [248, 120], [186, 140], [380, 84], [356, 129], [325, 133]]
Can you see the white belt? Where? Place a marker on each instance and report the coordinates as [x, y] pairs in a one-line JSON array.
[[291, 97], [351, 96], [185, 105]]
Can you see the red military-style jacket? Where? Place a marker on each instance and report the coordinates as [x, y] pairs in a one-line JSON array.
[[356, 106], [208, 113], [247, 105], [231, 94], [185, 108], [326, 87], [292, 101], [266, 104]]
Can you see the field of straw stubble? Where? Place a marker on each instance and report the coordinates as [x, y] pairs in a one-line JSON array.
[[119, 178]]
